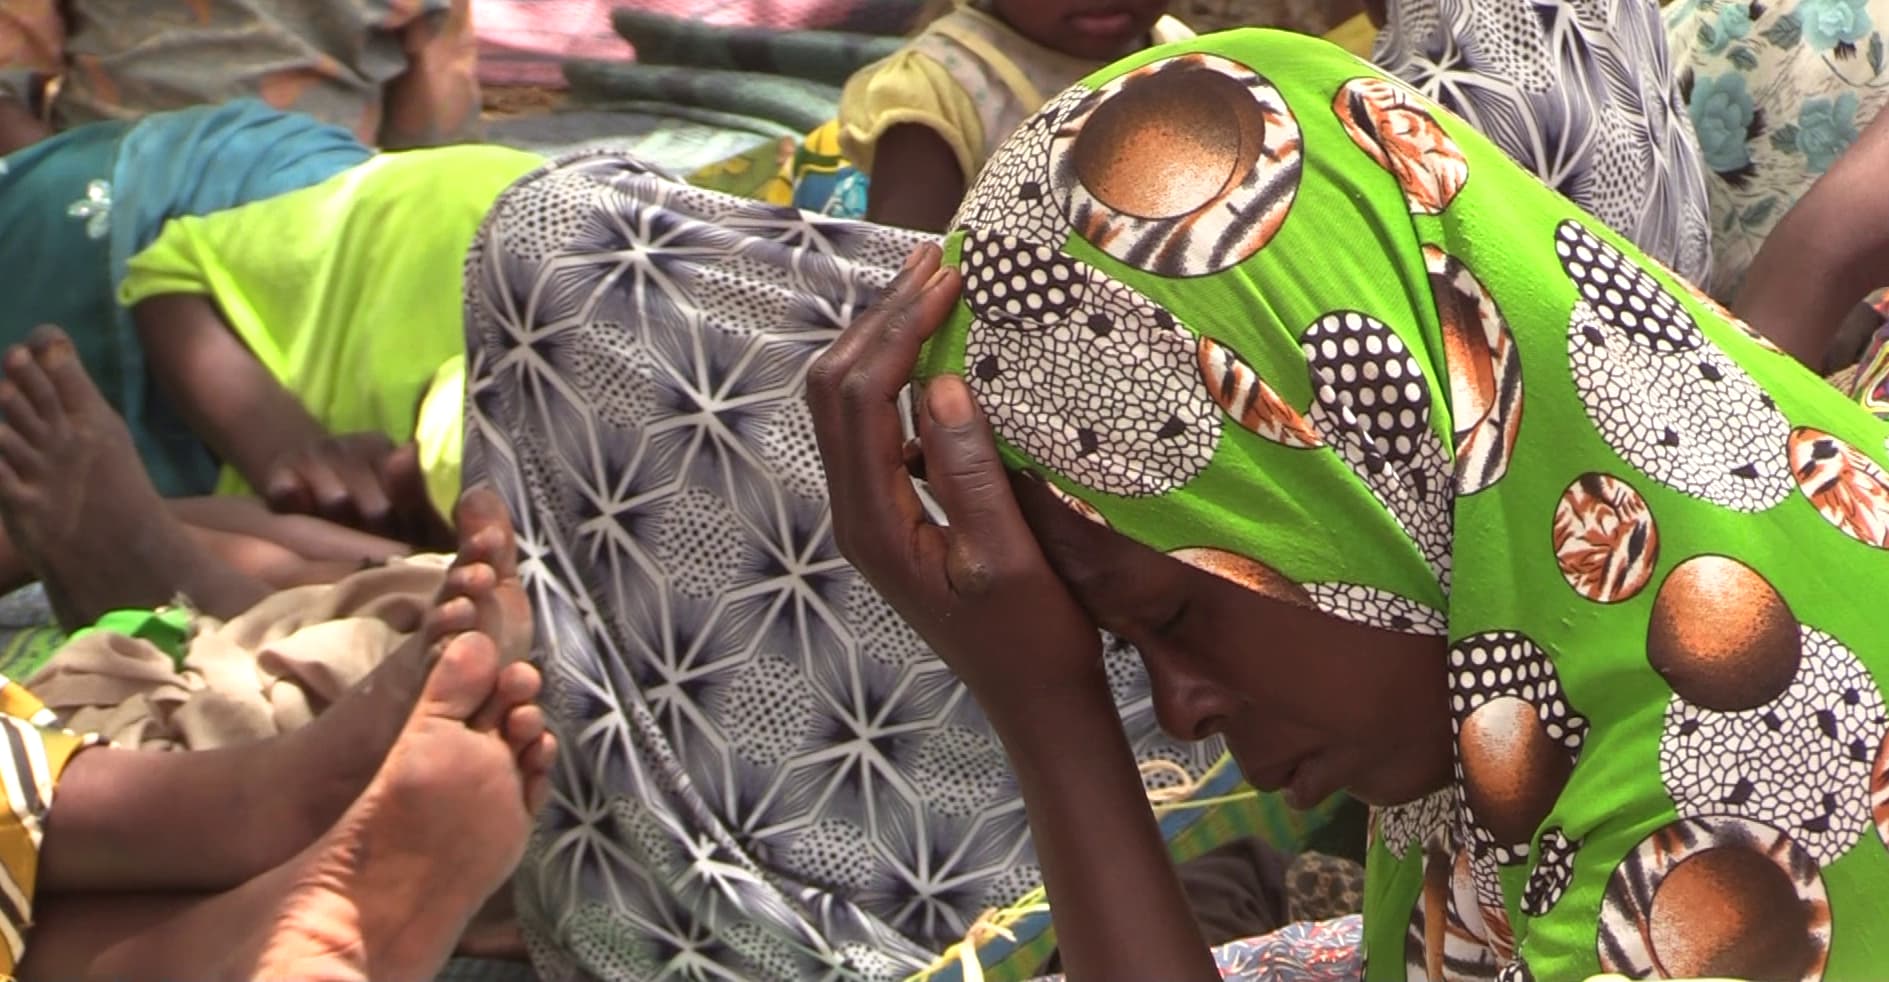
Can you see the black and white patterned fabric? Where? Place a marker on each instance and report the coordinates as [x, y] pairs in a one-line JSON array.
[[764, 773], [1582, 93]]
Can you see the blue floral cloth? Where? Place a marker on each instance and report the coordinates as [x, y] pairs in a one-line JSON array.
[[1776, 91]]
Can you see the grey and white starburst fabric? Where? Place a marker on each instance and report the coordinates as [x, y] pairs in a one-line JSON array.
[[764, 773], [1582, 93]]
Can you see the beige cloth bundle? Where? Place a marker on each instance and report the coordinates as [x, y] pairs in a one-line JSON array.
[[265, 672]]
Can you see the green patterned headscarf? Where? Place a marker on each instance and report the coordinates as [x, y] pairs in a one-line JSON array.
[[1250, 302]]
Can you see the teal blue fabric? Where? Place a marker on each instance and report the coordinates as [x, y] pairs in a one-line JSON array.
[[75, 208]]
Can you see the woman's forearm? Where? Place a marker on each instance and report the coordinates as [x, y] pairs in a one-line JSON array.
[[1117, 904]]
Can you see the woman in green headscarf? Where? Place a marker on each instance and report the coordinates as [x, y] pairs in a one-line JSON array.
[[1411, 480]]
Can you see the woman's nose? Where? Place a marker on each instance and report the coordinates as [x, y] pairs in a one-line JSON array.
[[1188, 705]]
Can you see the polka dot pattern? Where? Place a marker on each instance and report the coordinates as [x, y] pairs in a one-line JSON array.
[[1109, 398], [1007, 278], [1799, 763], [1625, 298], [699, 537], [1371, 402], [767, 712], [1499, 665], [960, 770], [834, 853], [1552, 872]]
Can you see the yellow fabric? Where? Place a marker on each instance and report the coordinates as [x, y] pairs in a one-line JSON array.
[[38, 752], [348, 292], [1355, 35], [963, 73], [440, 435], [909, 88]]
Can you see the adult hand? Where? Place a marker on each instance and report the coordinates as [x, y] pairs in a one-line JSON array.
[[339, 478], [978, 590]]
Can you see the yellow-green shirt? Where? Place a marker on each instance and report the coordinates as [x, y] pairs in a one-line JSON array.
[[350, 292]]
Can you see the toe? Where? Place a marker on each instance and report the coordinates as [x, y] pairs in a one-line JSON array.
[[463, 680], [517, 685], [61, 363], [18, 412], [36, 396], [485, 528], [454, 615], [21, 457], [522, 727]]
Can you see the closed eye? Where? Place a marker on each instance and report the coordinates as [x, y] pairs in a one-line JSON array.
[[1172, 623]]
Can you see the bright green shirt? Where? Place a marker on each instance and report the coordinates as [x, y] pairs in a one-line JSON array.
[[350, 292]]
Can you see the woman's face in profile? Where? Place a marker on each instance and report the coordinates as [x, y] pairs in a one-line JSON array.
[[1307, 703]]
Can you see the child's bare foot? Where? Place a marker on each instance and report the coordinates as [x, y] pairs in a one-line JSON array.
[[78, 506], [483, 591], [386, 894]]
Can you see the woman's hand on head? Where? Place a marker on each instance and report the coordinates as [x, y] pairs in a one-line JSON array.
[[977, 589]]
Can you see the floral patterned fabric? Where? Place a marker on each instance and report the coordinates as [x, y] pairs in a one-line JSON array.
[[1776, 91]]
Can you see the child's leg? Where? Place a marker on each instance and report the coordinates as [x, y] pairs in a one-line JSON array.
[[232, 813], [385, 893]]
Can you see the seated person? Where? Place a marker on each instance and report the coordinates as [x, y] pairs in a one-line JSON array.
[[1475, 513], [926, 119], [398, 75], [252, 862], [1776, 91]]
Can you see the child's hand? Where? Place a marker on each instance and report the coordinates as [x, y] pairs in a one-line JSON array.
[[339, 478]]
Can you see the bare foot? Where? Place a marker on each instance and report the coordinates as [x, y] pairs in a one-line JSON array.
[[386, 894], [77, 504]]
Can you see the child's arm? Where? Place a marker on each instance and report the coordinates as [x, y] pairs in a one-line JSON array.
[[230, 400], [1825, 255], [436, 101], [916, 181]]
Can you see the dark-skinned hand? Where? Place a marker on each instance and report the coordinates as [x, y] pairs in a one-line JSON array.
[[977, 589], [339, 478]]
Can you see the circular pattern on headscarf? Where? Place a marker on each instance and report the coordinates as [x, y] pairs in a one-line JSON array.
[[1552, 872], [1372, 607], [1698, 423], [1008, 278], [1245, 396], [1244, 571], [1721, 636], [1372, 403], [1391, 124], [1516, 739], [1850, 490], [1605, 540], [1719, 896], [1485, 370], [1800, 762], [1106, 393], [1012, 192], [1184, 167]]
